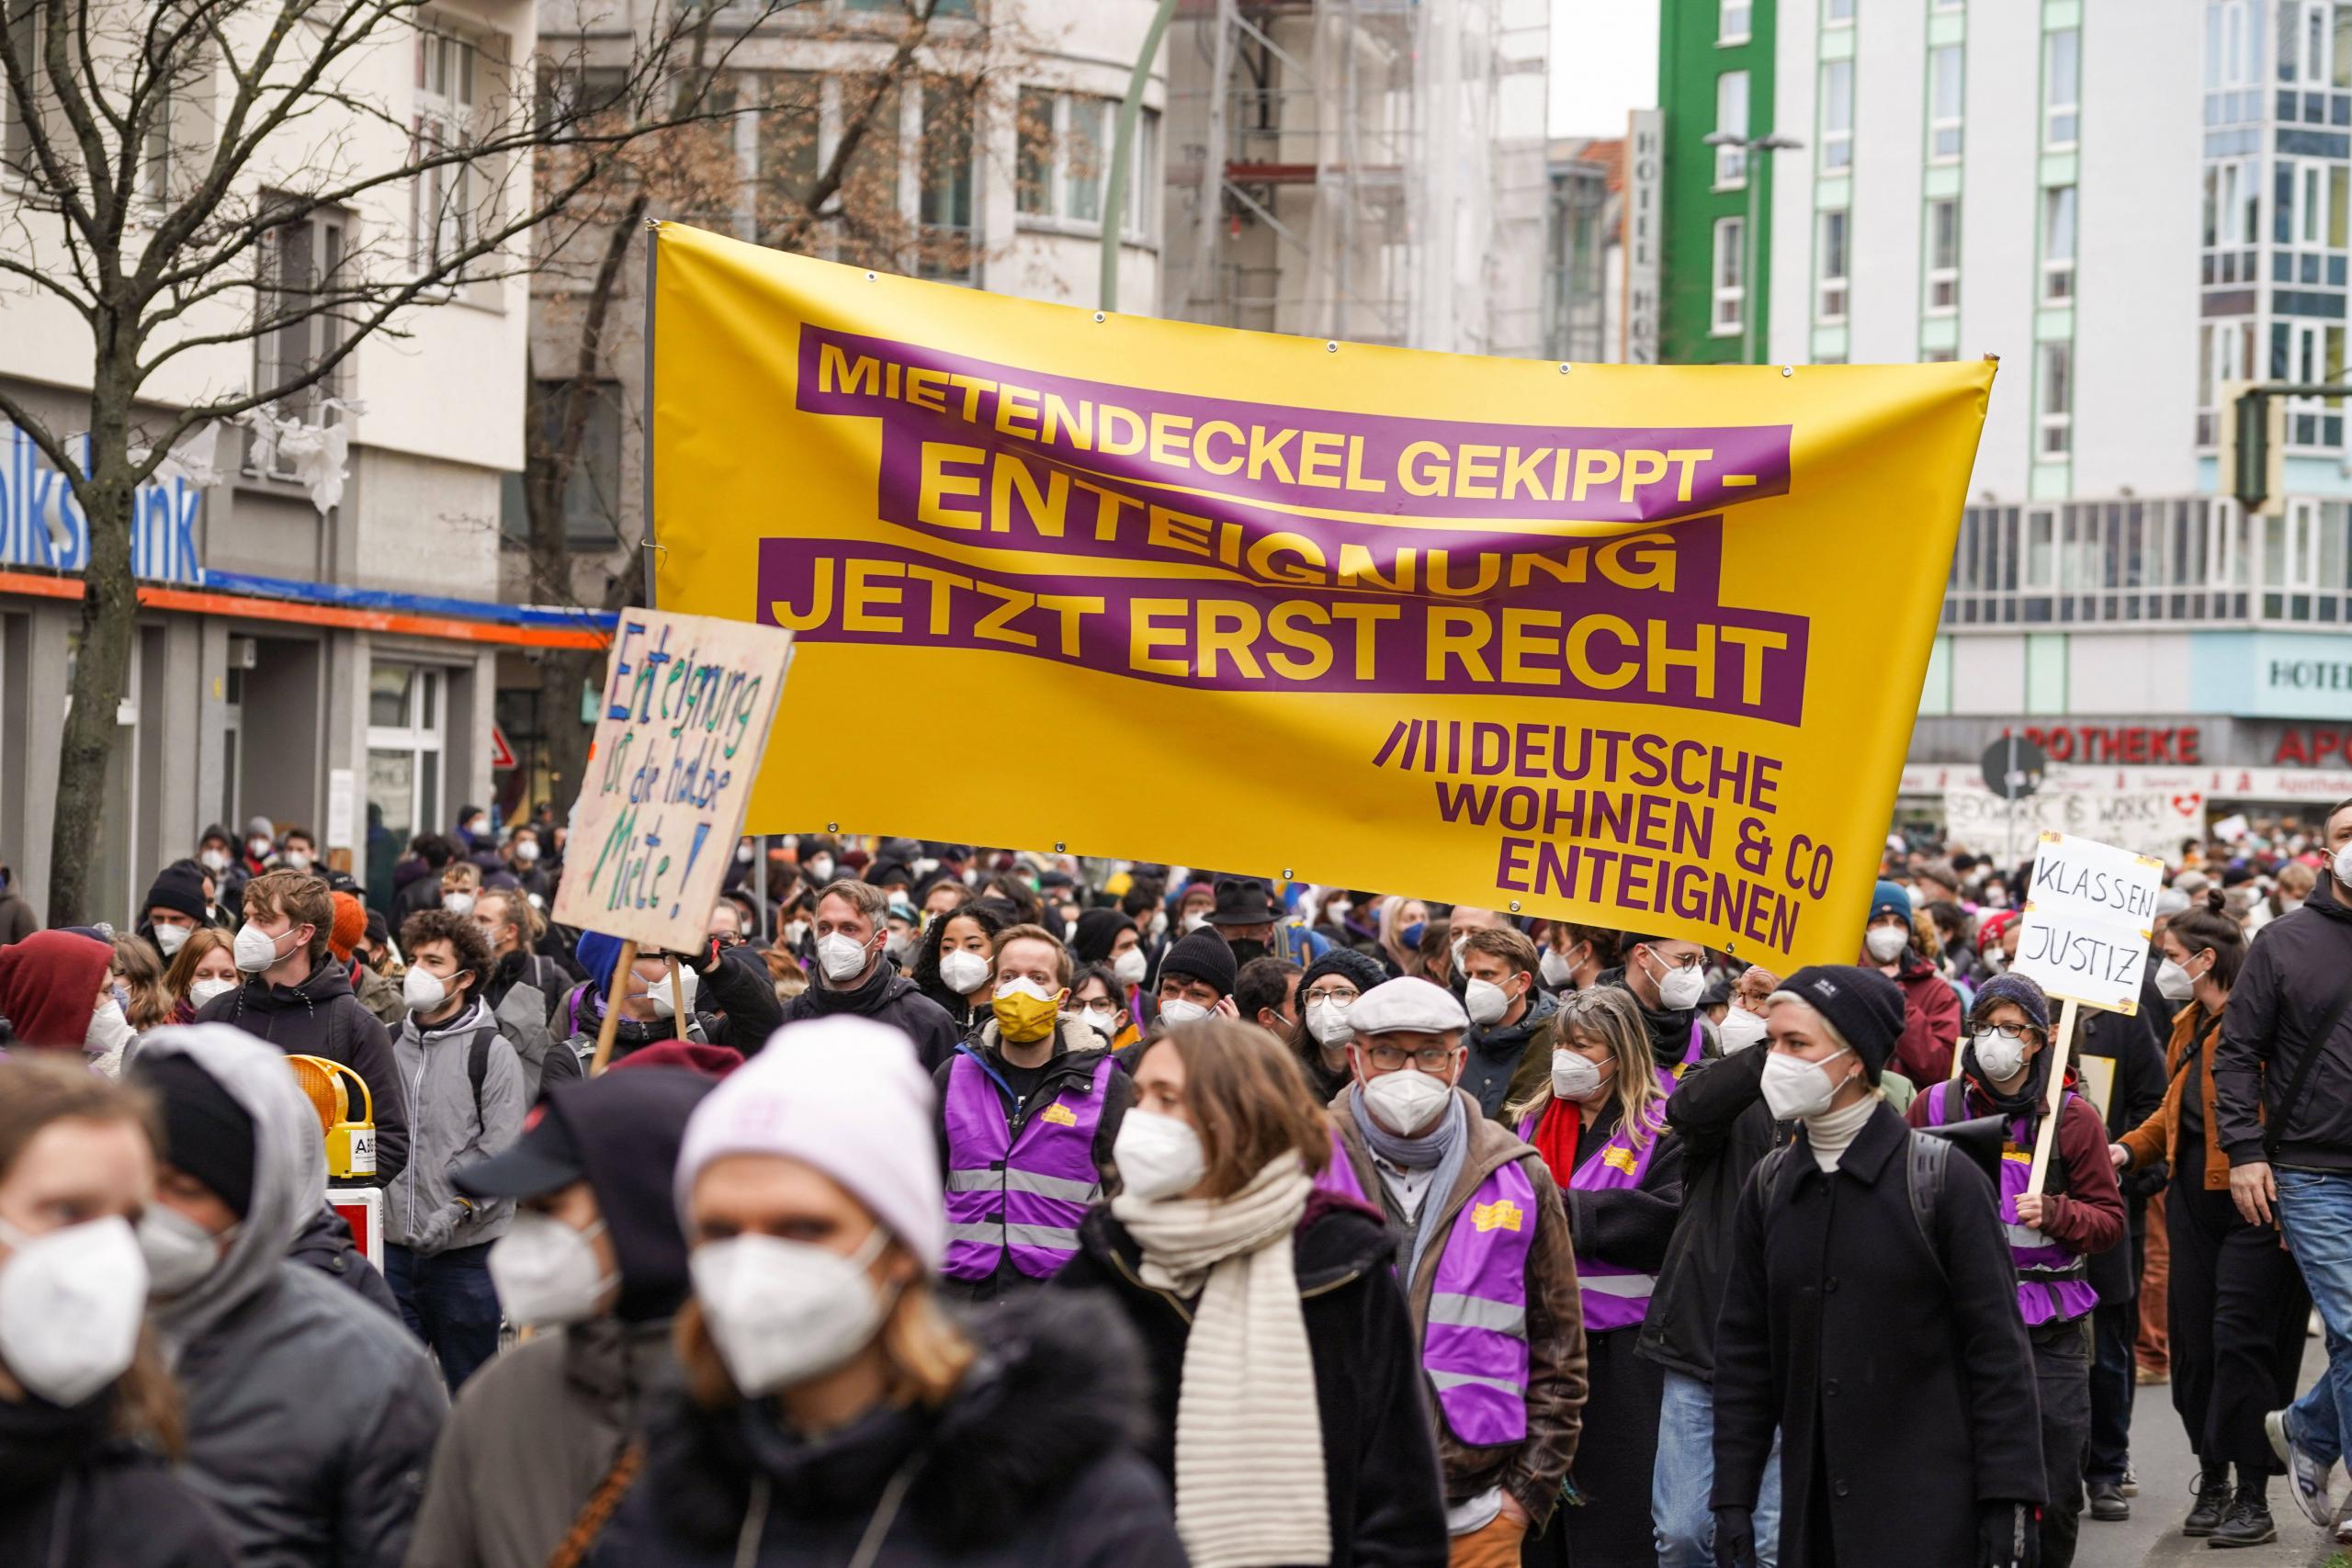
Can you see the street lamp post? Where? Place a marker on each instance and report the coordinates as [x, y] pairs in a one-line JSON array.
[[1752, 167]]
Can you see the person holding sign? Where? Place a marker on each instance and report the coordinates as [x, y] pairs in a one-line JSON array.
[[2007, 1065], [1870, 1317], [2237, 1303]]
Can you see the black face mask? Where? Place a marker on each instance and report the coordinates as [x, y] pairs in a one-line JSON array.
[[1246, 950]]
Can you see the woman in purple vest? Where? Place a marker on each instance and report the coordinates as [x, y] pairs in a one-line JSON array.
[[1286, 1381], [2078, 1211], [1599, 1124]]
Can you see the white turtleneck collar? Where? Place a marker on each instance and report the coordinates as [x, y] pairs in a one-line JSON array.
[[1833, 1132]]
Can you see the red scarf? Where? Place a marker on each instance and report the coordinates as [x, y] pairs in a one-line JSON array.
[[1558, 1130]]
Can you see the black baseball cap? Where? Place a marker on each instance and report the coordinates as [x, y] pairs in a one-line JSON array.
[[541, 1161]]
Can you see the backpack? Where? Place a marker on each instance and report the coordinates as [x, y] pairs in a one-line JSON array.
[[478, 1063], [1922, 1179]]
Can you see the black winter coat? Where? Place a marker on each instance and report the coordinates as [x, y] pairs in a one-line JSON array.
[[1031, 1464], [888, 996], [1720, 1122], [2291, 976], [73, 1496], [326, 1245], [2129, 1039], [321, 1017], [1387, 1508], [1899, 1375]]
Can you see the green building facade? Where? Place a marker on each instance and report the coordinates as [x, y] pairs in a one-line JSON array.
[[1714, 72]]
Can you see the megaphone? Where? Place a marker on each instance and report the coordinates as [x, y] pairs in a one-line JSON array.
[[351, 1146], [1980, 1139]]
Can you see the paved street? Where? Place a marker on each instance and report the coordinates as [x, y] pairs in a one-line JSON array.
[[2160, 1454]]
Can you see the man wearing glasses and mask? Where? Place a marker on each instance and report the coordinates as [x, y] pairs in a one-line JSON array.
[[1669, 977], [1485, 1262]]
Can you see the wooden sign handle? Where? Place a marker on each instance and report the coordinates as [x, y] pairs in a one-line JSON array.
[[621, 967], [2046, 1139]]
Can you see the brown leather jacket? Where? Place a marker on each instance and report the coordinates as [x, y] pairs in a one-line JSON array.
[[2155, 1139], [1532, 1470]]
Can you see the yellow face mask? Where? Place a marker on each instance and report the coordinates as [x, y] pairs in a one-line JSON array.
[[1025, 1013]]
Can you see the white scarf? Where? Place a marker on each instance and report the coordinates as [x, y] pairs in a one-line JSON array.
[[1249, 1483]]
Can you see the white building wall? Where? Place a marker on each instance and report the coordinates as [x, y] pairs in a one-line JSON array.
[[1999, 218], [1890, 70]]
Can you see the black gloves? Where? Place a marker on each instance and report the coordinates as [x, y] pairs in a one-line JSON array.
[[1735, 1538], [2009, 1535]]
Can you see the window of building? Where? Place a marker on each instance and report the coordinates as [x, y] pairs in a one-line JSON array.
[[299, 261], [1947, 4], [2054, 411], [1839, 13], [1945, 103], [784, 147], [408, 726], [22, 38], [2314, 213], [1063, 162], [1837, 116], [1833, 255], [1731, 275], [2062, 87], [1731, 120], [2282, 204], [2058, 244], [592, 495], [1943, 255], [947, 246], [443, 218], [1732, 21]]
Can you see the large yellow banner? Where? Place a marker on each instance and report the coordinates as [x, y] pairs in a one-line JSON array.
[[1640, 646]]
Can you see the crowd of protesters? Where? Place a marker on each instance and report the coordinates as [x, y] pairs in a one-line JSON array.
[[950, 1205]]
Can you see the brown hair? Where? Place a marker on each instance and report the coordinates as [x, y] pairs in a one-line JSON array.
[[1501, 941], [300, 898], [142, 977], [2206, 923], [865, 897], [466, 940], [40, 1088], [928, 1354], [464, 874], [1037, 933], [182, 974], [529, 923], [1248, 1100]]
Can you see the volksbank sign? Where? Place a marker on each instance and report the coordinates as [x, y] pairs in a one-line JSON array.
[[40, 525]]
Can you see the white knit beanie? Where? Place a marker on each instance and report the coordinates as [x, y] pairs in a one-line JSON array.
[[845, 1095]]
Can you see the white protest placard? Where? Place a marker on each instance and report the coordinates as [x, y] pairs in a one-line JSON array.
[[680, 727], [2144, 821], [2088, 909]]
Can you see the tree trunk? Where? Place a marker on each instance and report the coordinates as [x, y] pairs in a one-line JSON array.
[[102, 665]]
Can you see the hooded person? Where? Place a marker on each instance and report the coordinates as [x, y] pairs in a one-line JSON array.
[[1487, 1263], [310, 1414], [174, 908], [1877, 1334], [53, 986], [1028, 1112], [830, 1410], [596, 1258]]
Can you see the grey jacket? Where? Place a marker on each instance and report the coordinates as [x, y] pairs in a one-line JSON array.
[[450, 1129], [533, 1434], [310, 1413]]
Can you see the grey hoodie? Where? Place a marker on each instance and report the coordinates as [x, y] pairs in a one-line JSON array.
[[449, 1129], [311, 1415]]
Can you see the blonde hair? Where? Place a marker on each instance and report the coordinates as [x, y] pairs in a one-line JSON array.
[[143, 980], [928, 1354], [1609, 1014]]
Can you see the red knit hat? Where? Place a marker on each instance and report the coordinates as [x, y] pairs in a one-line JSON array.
[[350, 925], [48, 985]]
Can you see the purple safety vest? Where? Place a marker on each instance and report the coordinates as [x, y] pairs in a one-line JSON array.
[[1613, 1297], [1028, 1191], [2054, 1282], [1474, 1347]]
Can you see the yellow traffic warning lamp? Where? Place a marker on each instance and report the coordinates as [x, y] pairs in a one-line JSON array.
[[351, 1146]]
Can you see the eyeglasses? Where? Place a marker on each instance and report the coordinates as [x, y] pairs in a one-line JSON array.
[[1340, 993], [2008, 1030], [1429, 1058]]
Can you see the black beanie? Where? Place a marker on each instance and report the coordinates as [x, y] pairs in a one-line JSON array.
[[179, 887], [1861, 1004], [1204, 955], [1097, 929], [1359, 969], [206, 1133]]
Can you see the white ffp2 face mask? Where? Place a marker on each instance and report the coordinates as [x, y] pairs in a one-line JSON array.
[[1886, 942], [1997, 1055], [1679, 990], [1796, 1088], [2174, 983], [1486, 1002], [1741, 1029], [71, 1303], [546, 1273], [963, 971], [840, 957], [423, 990], [204, 991], [459, 904], [255, 950], [1407, 1099], [1556, 970], [178, 1251], [171, 939], [1158, 1156], [1328, 1021], [1130, 966], [783, 1312], [1576, 1077], [665, 1004], [1176, 1012]]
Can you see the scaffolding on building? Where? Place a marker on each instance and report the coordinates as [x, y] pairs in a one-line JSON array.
[[1368, 170]]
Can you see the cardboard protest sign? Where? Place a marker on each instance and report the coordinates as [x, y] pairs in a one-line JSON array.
[[1579, 641], [682, 723], [2088, 911]]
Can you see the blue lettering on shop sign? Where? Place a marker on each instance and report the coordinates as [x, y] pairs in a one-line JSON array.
[[37, 508]]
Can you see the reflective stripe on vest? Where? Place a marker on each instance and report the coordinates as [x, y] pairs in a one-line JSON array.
[[2054, 1279], [1027, 1193], [1474, 1346], [1616, 1297]]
